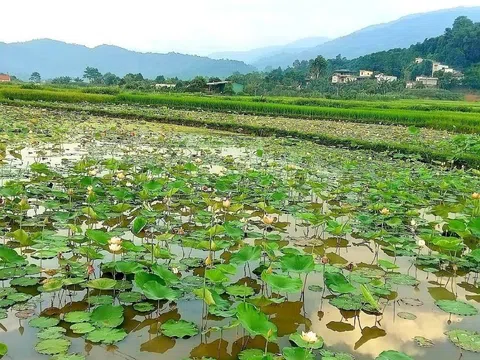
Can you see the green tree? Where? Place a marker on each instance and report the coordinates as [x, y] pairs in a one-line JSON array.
[[110, 79], [160, 79], [62, 80], [317, 67], [92, 75], [35, 77]]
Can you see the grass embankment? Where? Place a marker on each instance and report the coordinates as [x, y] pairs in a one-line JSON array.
[[461, 122], [357, 136]]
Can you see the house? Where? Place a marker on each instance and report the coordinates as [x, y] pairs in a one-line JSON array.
[[440, 67], [5, 78], [427, 81], [163, 86], [385, 78], [366, 73], [410, 84], [418, 60], [343, 76]]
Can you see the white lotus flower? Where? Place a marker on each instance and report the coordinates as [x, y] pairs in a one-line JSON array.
[[226, 203], [421, 243], [115, 248], [309, 337], [175, 270], [413, 223], [120, 176], [92, 172]]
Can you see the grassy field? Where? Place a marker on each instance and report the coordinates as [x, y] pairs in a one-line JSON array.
[[462, 117]]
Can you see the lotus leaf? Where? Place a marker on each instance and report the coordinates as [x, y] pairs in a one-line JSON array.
[[77, 317], [465, 339], [179, 329], [107, 316], [393, 355], [82, 328], [102, 284], [457, 307], [154, 290], [240, 290], [106, 335], [43, 322], [291, 353], [256, 322], [54, 332], [337, 283], [283, 283], [52, 346]]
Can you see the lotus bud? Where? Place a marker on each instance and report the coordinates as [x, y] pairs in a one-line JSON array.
[[421, 243], [476, 196], [92, 172], [115, 240], [120, 175], [70, 192], [208, 260], [413, 223], [226, 203], [455, 267], [325, 260], [268, 220], [269, 270]]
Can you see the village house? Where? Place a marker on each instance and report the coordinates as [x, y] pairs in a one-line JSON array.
[[366, 73], [427, 81], [5, 78], [385, 78], [418, 60], [163, 86], [343, 76]]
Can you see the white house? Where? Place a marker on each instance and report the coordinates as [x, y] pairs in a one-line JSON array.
[[385, 78], [427, 81], [366, 73], [162, 86]]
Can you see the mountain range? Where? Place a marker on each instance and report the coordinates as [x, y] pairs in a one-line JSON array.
[[400, 33], [53, 58]]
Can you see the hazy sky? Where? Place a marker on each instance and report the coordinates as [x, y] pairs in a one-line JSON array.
[[199, 26]]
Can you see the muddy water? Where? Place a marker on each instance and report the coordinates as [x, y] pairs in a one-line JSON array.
[[364, 336]]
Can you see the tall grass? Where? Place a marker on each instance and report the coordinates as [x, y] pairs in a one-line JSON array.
[[436, 119]]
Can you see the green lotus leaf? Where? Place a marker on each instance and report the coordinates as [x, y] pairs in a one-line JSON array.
[[54, 332], [297, 353], [43, 322], [52, 346], [465, 339], [247, 253], [130, 297], [3, 349], [283, 283], [256, 322], [24, 281], [98, 236], [423, 342], [44, 254], [82, 328], [8, 255], [393, 355], [169, 277], [128, 267], [215, 275], [142, 277], [106, 335], [255, 354], [144, 307], [297, 263], [19, 297], [337, 283], [240, 290], [107, 316], [179, 329], [401, 279], [138, 224], [297, 339], [8, 273], [329, 355], [102, 284], [77, 317], [457, 307], [100, 300], [156, 291], [52, 285], [347, 302]]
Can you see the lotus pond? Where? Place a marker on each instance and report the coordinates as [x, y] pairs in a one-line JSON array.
[[123, 239]]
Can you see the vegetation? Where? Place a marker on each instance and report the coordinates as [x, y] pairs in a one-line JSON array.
[[154, 234]]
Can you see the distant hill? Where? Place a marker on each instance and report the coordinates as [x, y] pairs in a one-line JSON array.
[[397, 34], [55, 58], [251, 56]]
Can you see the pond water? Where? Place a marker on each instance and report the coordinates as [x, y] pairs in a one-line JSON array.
[[325, 204]]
